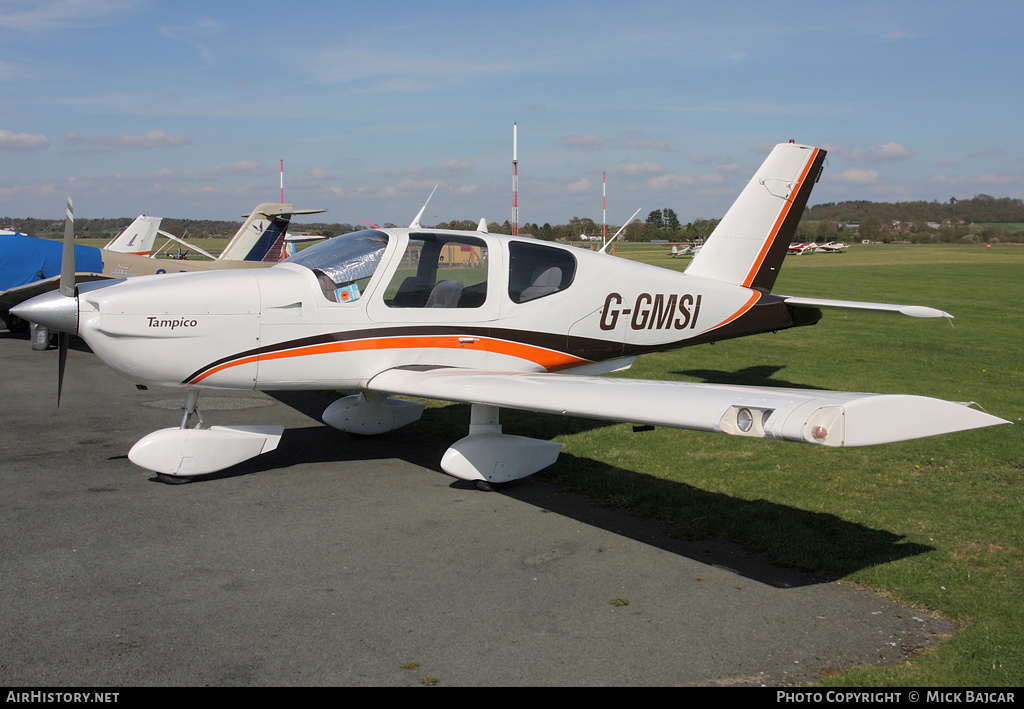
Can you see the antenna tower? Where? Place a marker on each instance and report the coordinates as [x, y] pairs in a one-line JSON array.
[[515, 179]]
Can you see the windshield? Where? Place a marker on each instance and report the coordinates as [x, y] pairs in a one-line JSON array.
[[344, 263]]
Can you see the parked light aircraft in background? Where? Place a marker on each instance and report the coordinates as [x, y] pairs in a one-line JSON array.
[[685, 250], [833, 247], [138, 238], [29, 266], [490, 320], [799, 249]]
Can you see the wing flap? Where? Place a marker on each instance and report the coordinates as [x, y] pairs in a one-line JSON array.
[[829, 418]]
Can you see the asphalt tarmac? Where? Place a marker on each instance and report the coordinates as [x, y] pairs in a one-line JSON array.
[[336, 561]]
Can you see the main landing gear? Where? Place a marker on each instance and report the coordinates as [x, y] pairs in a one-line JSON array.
[[486, 457]]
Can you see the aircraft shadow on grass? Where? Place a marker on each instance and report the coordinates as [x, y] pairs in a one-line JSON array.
[[759, 376]]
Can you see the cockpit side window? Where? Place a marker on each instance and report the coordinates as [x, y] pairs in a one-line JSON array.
[[344, 265], [440, 271], [536, 270]]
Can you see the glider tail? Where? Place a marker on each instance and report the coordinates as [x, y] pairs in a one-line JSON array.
[[749, 245], [138, 238], [262, 236]]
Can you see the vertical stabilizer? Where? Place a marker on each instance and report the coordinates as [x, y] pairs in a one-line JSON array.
[[262, 236], [749, 245], [138, 238]]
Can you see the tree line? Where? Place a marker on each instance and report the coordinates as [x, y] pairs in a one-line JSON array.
[[953, 220], [108, 228], [981, 208]]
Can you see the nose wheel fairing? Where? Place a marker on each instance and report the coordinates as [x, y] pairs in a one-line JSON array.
[[180, 454], [188, 452]]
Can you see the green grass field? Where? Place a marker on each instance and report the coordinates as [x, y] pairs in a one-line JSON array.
[[937, 523]]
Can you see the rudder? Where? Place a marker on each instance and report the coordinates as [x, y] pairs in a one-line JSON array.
[[138, 238]]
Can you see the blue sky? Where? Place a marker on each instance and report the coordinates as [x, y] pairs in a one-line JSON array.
[[186, 109]]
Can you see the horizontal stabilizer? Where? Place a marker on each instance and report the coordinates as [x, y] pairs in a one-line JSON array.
[[262, 236], [828, 418], [914, 311], [273, 209]]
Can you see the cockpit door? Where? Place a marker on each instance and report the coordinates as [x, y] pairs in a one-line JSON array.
[[441, 278]]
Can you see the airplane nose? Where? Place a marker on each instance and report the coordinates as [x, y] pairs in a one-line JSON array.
[[52, 310]]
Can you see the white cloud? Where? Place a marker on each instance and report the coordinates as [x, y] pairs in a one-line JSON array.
[[885, 152], [242, 167], [588, 142], [999, 180], [10, 72], [49, 15], [663, 182], [857, 176], [21, 142], [888, 151], [203, 27], [640, 144], [633, 140], [455, 167], [636, 169], [943, 180], [581, 185], [152, 139], [422, 67]]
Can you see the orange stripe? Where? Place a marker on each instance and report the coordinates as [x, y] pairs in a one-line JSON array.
[[778, 224], [754, 297], [550, 360], [222, 367]]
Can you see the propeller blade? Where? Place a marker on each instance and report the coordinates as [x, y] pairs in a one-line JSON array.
[[67, 288], [63, 340], [67, 260]]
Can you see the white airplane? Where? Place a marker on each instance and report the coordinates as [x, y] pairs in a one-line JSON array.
[[688, 250], [833, 247], [490, 320], [799, 249], [292, 240], [138, 238]]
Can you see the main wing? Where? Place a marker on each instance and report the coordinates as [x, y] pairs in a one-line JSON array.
[[828, 418]]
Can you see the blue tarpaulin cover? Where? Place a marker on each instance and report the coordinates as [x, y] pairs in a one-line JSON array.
[[25, 259]]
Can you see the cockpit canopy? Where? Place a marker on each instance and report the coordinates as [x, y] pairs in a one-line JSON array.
[[344, 264], [436, 269]]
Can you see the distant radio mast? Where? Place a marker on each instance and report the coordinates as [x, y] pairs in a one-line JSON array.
[[282, 181], [515, 179]]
